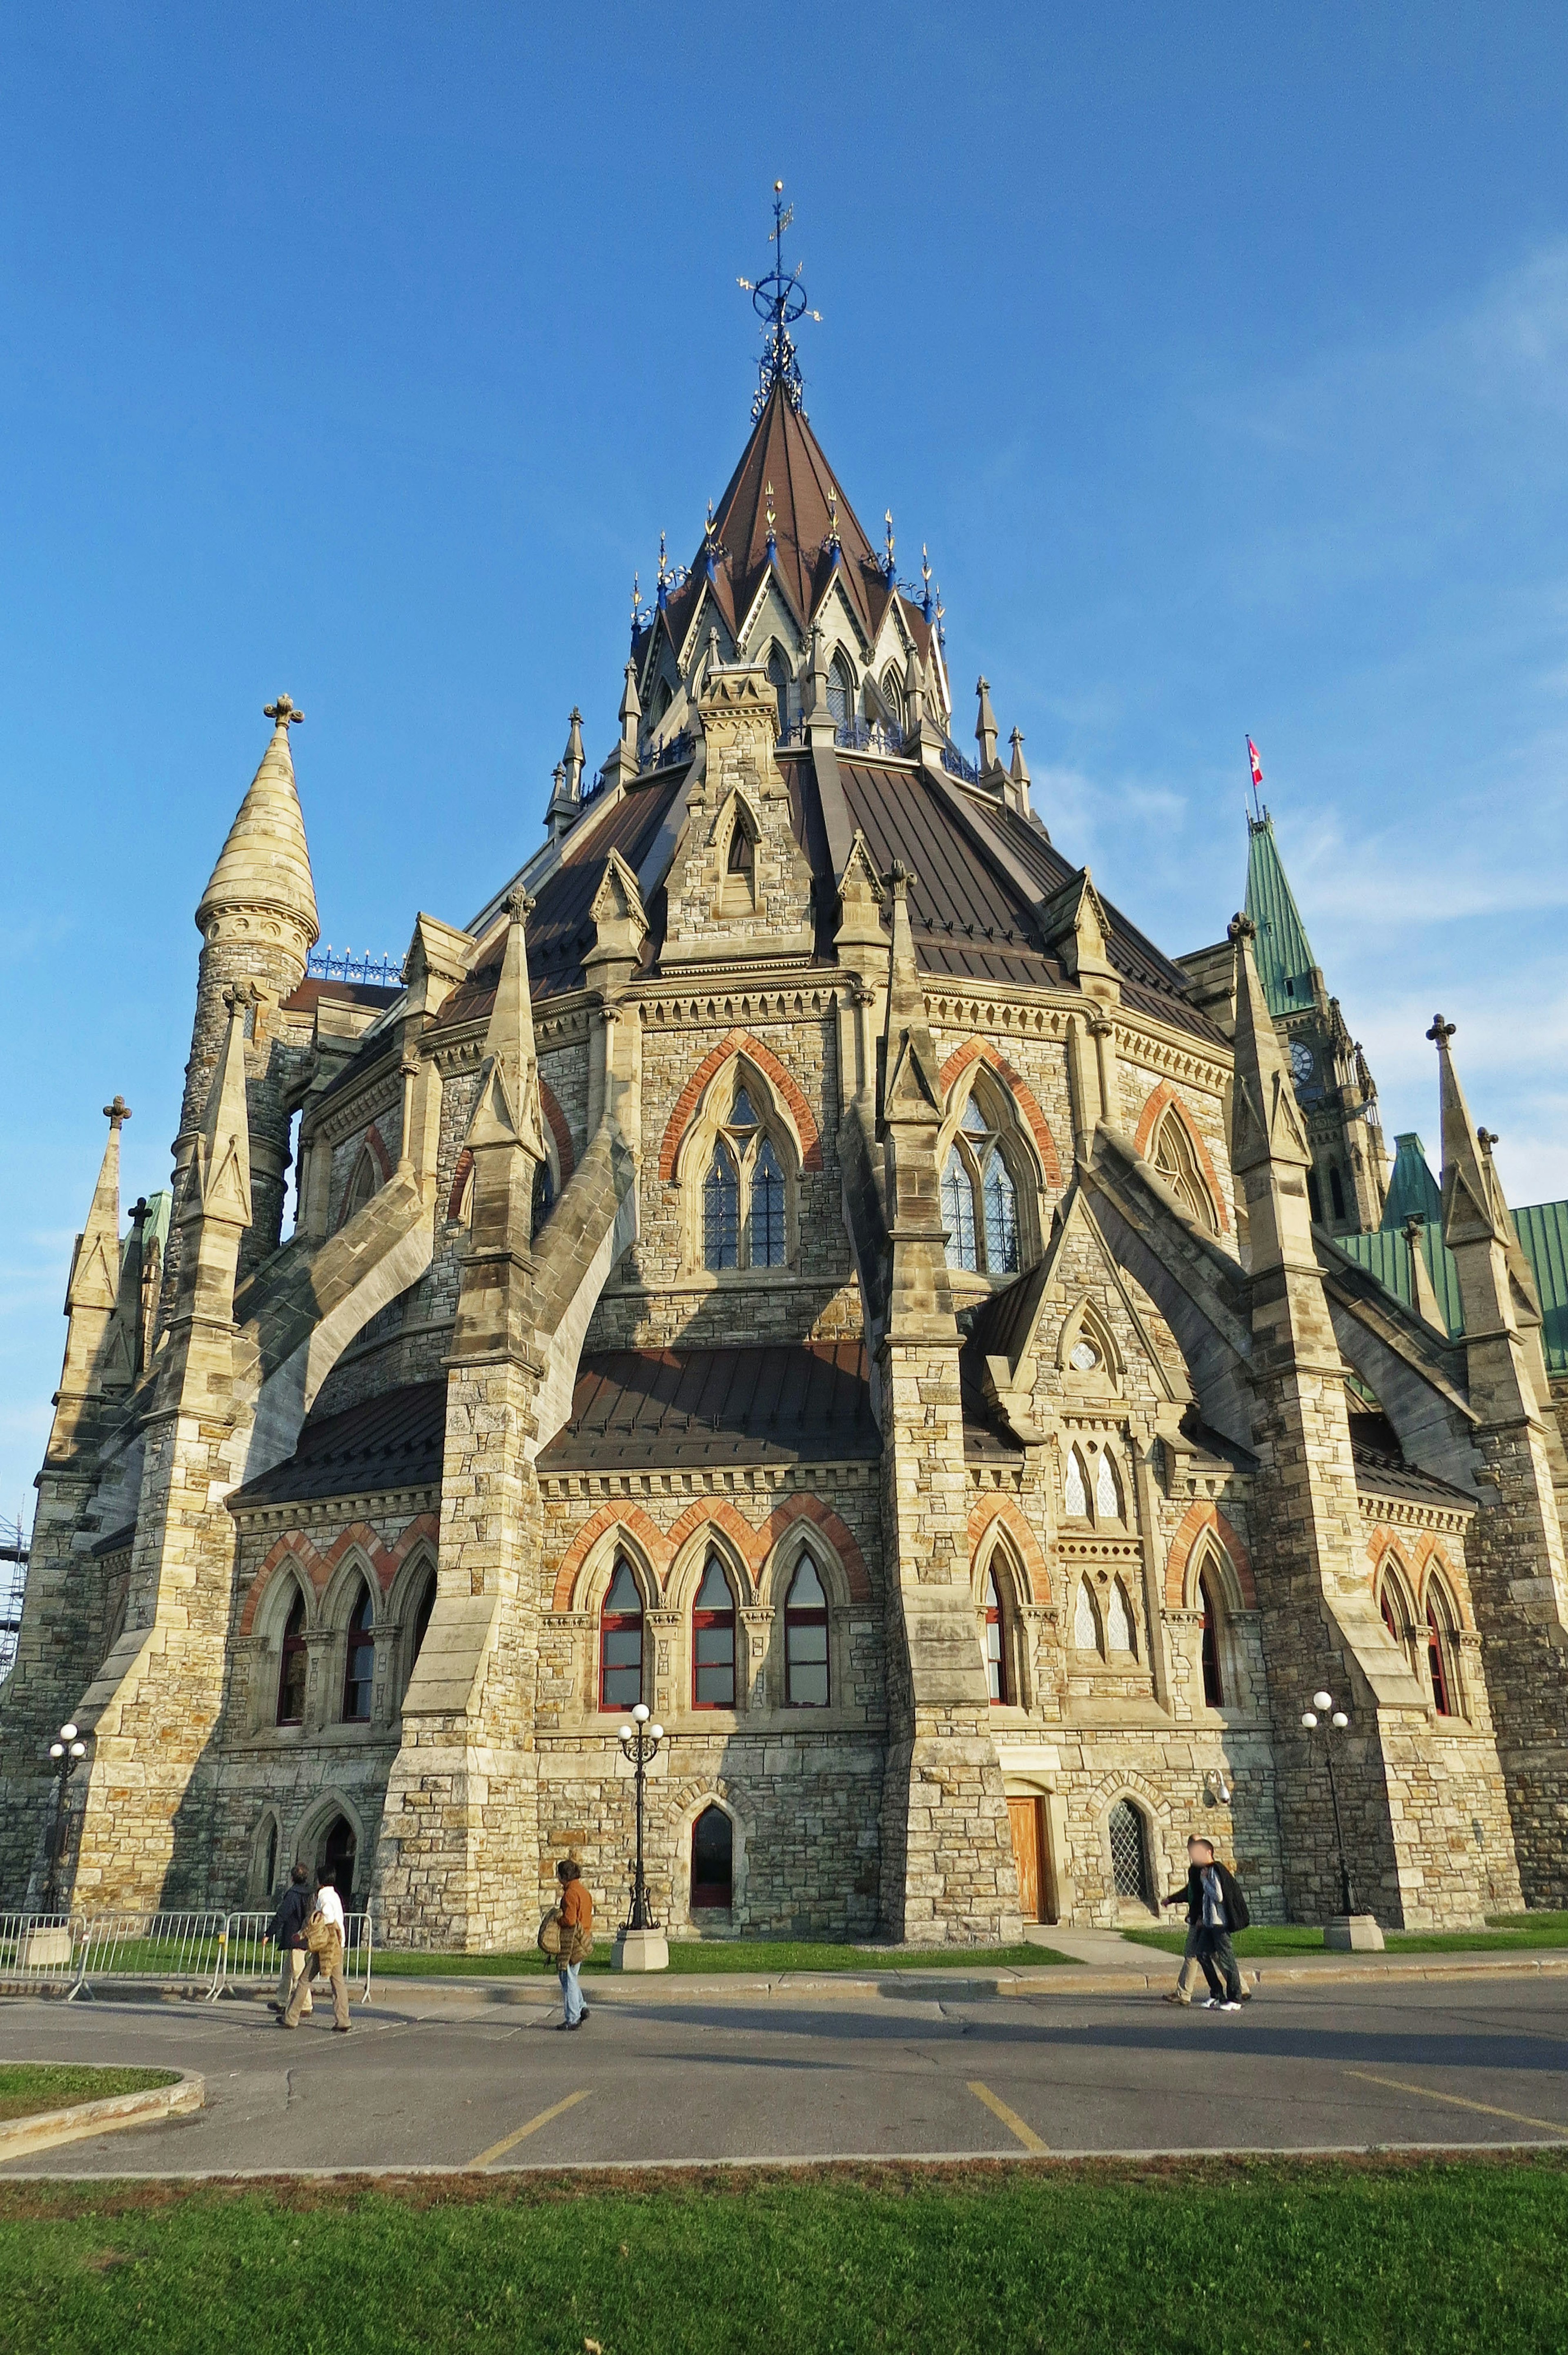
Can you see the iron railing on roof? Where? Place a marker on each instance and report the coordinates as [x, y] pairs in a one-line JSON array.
[[956, 765], [679, 747], [853, 735], [343, 965]]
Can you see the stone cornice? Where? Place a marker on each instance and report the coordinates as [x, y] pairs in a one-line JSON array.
[[365, 1505], [1408, 1513], [737, 1479]]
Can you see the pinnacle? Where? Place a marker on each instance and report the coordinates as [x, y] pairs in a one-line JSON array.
[[265, 862]]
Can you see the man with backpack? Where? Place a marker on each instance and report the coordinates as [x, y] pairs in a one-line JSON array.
[[286, 1931], [323, 1938], [1215, 1907]]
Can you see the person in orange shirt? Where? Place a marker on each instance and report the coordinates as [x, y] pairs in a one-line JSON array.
[[576, 1937]]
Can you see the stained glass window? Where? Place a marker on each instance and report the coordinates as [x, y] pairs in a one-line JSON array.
[[958, 1213], [721, 1211]]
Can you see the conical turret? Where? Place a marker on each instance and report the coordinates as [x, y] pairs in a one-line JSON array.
[[92, 1292], [264, 866]]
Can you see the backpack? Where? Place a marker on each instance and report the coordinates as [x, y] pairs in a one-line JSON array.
[[1238, 1904]]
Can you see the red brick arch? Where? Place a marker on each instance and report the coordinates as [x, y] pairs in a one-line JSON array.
[[987, 1513], [1418, 1556], [1199, 1517], [740, 1042], [318, 1568], [981, 1051], [821, 1517], [1148, 1120], [635, 1521], [753, 1545]]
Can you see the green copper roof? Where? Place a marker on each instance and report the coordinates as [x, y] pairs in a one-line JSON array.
[[1542, 1229], [1385, 1255], [1285, 959], [1412, 1191]]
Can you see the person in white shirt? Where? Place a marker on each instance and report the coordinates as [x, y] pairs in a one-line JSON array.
[[328, 1908], [328, 1905]]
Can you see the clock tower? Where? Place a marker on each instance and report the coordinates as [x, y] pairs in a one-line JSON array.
[[1349, 1177]]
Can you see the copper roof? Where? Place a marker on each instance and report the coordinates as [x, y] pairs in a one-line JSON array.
[[308, 995], [799, 1403], [393, 1441], [784, 452]]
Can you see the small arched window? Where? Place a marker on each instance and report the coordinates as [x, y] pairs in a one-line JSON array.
[[779, 680], [841, 691], [712, 1640], [1314, 1197], [746, 1220], [995, 1643], [713, 1860], [1131, 1874], [1107, 1489], [1213, 1683], [1177, 1162], [293, 1666], [364, 1183], [544, 1192], [893, 695], [742, 859], [359, 1663], [980, 1200], [422, 1611], [1336, 1189], [1086, 1621], [806, 1639], [1440, 1660], [620, 1641], [1076, 1488], [1120, 1634]]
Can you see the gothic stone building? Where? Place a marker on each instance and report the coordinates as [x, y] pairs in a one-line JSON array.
[[801, 1256]]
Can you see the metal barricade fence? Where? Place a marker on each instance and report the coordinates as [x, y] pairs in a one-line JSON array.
[[248, 1961], [158, 1946], [37, 1949]]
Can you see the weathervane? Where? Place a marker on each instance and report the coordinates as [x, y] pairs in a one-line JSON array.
[[887, 564], [780, 302]]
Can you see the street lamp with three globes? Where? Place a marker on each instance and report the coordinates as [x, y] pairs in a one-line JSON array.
[[1323, 1704], [68, 1753], [640, 1743]]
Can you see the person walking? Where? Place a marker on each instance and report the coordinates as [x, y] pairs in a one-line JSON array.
[[323, 1937], [1190, 1977], [286, 1931], [577, 1938], [1213, 1896]]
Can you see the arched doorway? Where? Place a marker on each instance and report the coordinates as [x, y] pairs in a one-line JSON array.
[[335, 1855], [713, 1860]]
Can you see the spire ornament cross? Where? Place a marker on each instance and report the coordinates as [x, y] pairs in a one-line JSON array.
[[117, 1113], [283, 712], [1441, 1032], [780, 302]]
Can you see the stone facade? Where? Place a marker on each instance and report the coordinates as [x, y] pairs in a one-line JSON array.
[[800, 1179]]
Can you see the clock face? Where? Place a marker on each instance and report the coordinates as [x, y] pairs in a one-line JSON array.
[[1301, 1059]]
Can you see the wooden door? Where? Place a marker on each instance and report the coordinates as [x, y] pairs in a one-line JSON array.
[[1023, 1820]]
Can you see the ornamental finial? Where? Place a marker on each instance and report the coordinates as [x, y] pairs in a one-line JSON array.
[[282, 711], [780, 302], [118, 1112], [887, 564], [1440, 1032]]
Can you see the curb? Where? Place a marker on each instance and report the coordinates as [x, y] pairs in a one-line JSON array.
[[45, 2128]]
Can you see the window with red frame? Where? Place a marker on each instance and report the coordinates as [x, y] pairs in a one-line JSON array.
[[712, 1860], [620, 1641], [712, 1640], [806, 1639], [359, 1668], [1213, 1683], [1437, 1658], [1391, 1616], [293, 1666], [995, 1645]]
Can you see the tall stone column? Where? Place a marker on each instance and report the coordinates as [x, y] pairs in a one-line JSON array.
[[1519, 1579], [457, 1859], [948, 1871]]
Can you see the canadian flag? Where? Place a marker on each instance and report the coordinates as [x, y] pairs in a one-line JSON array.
[[1256, 763]]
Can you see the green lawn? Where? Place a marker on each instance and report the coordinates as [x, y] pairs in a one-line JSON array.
[[1446, 2257], [28, 2086], [1506, 1934], [765, 1957]]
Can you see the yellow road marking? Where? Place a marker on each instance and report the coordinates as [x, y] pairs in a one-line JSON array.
[[1488, 2109], [499, 2149], [1010, 2118]]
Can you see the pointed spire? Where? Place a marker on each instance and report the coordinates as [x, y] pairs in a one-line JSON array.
[[514, 1118], [985, 728], [1267, 1124], [561, 810], [122, 1357], [1474, 1209], [888, 566], [265, 862], [911, 1086], [1019, 772], [574, 755], [914, 692], [95, 1268], [1285, 960], [1423, 1292], [630, 712], [218, 1187], [926, 577]]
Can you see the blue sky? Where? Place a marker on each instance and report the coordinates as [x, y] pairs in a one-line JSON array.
[[1218, 354]]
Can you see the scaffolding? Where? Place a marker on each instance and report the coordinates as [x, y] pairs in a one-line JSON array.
[[13, 1584]]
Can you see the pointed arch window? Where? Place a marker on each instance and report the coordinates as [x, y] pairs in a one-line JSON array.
[[1440, 1659], [1213, 1683], [1120, 1634], [712, 1640], [806, 1639], [1086, 1621], [742, 859], [841, 691], [1076, 1488], [293, 1666], [621, 1640], [746, 1209], [1314, 1197], [1107, 1489], [421, 1627], [359, 1663], [893, 695], [713, 1860], [778, 679], [1177, 1161], [995, 1643], [544, 1192], [363, 1184], [979, 1198], [1336, 1190]]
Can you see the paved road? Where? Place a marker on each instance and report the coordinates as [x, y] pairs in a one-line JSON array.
[[432, 2080]]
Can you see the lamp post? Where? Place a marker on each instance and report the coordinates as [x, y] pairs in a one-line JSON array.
[[1353, 1929], [641, 1945], [68, 1753]]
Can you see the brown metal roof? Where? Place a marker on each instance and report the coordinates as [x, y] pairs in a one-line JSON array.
[[395, 1441], [800, 1402], [966, 918], [308, 994], [560, 930]]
